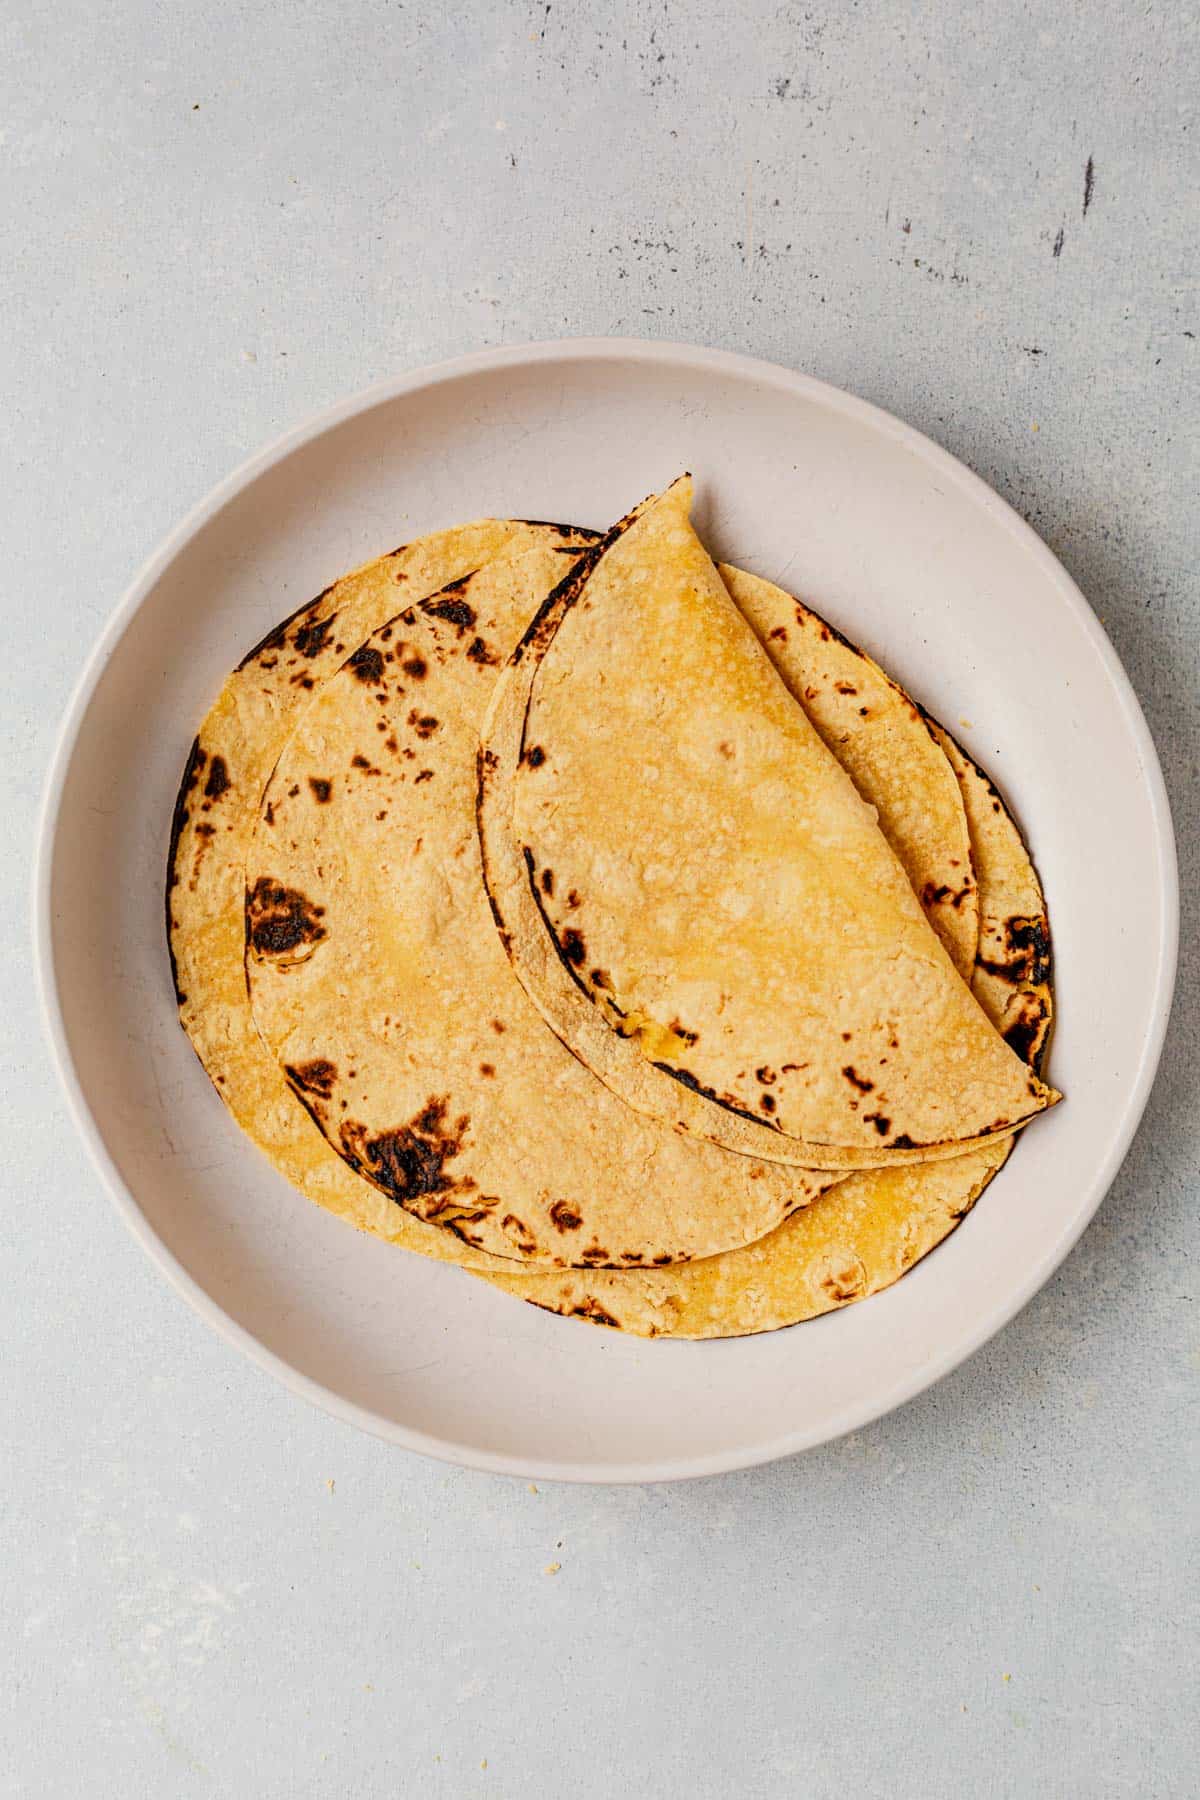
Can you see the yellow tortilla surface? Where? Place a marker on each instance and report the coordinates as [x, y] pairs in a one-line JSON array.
[[379, 982], [886, 746], [868, 1230], [230, 762], [696, 896]]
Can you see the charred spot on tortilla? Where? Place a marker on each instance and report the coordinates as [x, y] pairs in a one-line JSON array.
[[277, 636], [218, 782], [846, 1281], [548, 882], [592, 1310], [192, 768], [882, 1125], [687, 1079], [321, 787], [565, 1217], [564, 531], [424, 724], [410, 1160], [858, 1081], [450, 607], [497, 915], [485, 768], [535, 757], [570, 957], [311, 639], [478, 652], [1028, 940], [559, 602], [315, 1077], [367, 664], [280, 920], [196, 759], [1024, 1033], [417, 667], [941, 895]]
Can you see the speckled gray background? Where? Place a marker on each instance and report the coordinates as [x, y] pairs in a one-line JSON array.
[[215, 218]]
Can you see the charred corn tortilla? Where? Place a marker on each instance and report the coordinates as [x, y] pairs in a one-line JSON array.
[[867, 1231], [884, 1223], [215, 814], [696, 896], [380, 986]]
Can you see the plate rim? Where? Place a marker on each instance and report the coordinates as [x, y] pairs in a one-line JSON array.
[[681, 356]]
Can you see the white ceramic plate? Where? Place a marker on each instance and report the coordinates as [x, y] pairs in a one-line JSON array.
[[900, 545]]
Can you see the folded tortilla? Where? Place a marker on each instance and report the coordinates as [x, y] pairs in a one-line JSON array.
[[696, 896], [380, 986], [867, 1231]]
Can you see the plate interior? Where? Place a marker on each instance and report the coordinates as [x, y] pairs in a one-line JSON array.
[[913, 559]]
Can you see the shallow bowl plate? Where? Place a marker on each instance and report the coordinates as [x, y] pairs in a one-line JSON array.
[[904, 549]]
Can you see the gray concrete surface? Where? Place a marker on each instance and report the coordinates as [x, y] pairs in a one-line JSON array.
[[214, 218]]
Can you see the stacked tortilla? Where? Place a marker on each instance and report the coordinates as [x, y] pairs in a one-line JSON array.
[[601, 920]]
